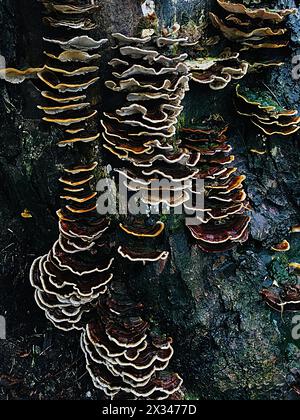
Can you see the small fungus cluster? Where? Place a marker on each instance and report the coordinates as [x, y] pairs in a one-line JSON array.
[[285, 299], [124, 359], [253, 28], [77, 270], [218, 72], [264, 112], [71, 69], [224, 222]]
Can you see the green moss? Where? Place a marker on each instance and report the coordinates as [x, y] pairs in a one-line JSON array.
[[278, 270], [191, 397], [259, 97], [164, 218], [181, 121], [176, 223]]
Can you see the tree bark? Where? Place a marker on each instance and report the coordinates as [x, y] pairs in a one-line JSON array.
[[228, 343]]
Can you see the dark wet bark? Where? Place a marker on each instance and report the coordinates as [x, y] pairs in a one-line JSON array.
[[228, 343]]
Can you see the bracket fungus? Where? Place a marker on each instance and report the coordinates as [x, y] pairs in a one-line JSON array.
[[264, 112], [250, 28], [261, 13], [123, 357], [223, 222], [283, 246], [286, 299], [74, 282], [217, 72], [78, 269], [18, 76], [141, 133]]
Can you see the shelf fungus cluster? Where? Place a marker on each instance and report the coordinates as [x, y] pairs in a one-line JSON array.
[[264, 112], [77, 270], [73, 282], [257, 29], [218, 72], [142, 134], [223, 220], [124, 359], [150, 81], [71, 69]]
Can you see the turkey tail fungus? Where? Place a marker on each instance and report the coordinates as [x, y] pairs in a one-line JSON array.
[[141, 133], [286, 299], [217, 72], [123, 357], [259, 34], [177, 159], [223, 222], [78, 269], [265, 113]]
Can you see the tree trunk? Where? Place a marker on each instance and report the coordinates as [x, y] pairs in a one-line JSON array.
[[228, 343]]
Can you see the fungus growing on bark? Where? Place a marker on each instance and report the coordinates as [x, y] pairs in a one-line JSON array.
[[262, 13], [83, 43], [259, 29], [214, 234], [265, 113], [73, 56], [238, 35], [286, 299], [70, 279], [123, 357], [283, 246], [70, 9], [18, 76], [217, 72], [143, 255], [144, 231], [295, 229], [77, 270], [26, 214], [295, 266], [222, 220], [153, 78], [84, 24]]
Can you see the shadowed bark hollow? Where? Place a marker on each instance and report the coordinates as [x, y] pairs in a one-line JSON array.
[[228, 343]]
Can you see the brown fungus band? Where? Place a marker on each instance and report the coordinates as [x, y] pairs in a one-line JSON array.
[[124, 359], [223, 222], [285, 299]]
